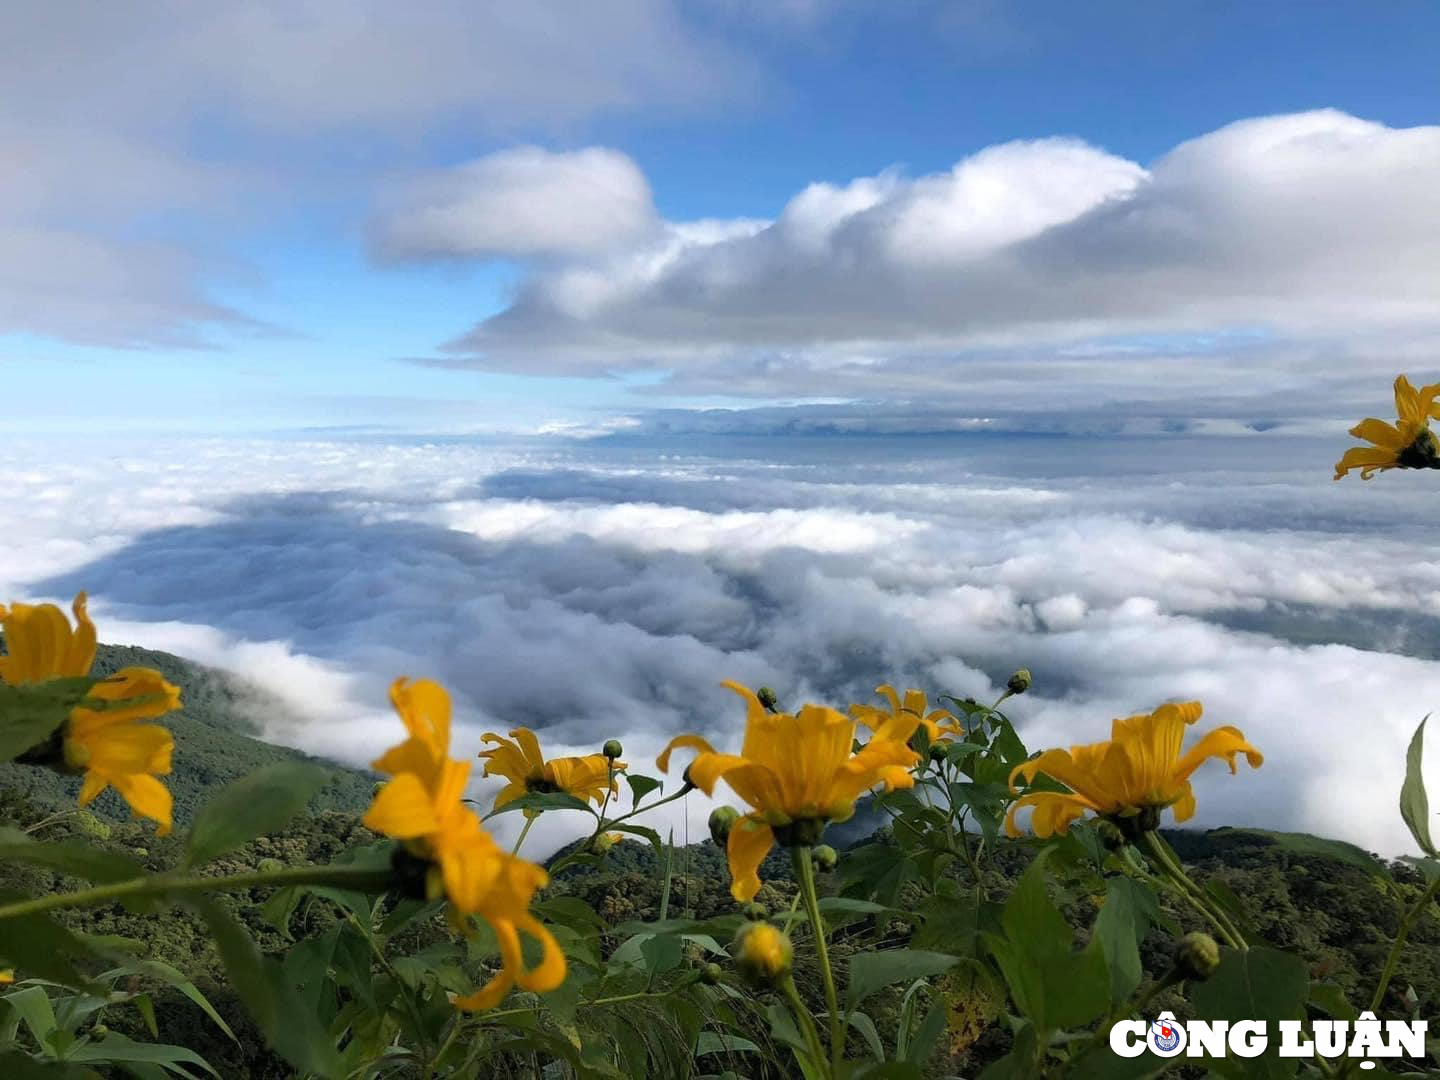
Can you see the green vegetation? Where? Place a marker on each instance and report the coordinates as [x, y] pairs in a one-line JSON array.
[[958, 952], [216, 727]]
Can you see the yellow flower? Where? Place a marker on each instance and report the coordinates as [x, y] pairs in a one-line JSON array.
[[1406, 444], [107, 742], [520, 761], [763, 954], [939, 725], [797, 773], [422, 807], [7, 976], [1140, 768]]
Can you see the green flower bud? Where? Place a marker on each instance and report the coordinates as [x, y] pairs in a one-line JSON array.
[[1111, 835], [612, 749], [756, 912], [763, 955], [99, 1031], [825, 857], [711, 974], [1197, 956], [269, 866], [1019, 682], [722, 820], [768, 699], [939, 752]]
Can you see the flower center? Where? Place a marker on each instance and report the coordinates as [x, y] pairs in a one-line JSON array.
[[1423, 453]]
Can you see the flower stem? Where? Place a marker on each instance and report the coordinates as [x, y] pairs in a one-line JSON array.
[[521, 838], [367, 878], [1407, 923], [807, 1026], [1166, 859], [800, 856]]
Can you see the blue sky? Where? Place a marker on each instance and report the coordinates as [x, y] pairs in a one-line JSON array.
[[232, 196]]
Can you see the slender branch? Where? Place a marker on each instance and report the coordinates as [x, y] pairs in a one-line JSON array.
[[1407, 923], [166, 884], [800, 856], [807, 1026]]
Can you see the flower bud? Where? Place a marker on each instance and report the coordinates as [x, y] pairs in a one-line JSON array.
[[763, 955], [768, 699], [711, 974], [269, 866], [605, 841], [1019, 682], [99, 1031], [1197, 956], [939, 752], [612, 749], [825, 857], [722, 820], [1111, 835], [756, 912]]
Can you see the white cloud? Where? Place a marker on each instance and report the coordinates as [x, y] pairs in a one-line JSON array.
[[591, 592], [521, 202], [150, 134], [1278, 232]]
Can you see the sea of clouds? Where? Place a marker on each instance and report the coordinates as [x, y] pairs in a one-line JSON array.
[[604, 588]]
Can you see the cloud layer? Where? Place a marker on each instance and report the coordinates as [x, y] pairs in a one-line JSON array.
[[1310, 233], [607, 590], [149, 134]]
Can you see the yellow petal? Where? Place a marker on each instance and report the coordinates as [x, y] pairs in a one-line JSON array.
[[682, 742], [750, 841], [550, 972], [1384, 435], [1053, 813], [81, 654], [1365, 458], [1224, 742], [127, 748], [147, 797], [402, 809]]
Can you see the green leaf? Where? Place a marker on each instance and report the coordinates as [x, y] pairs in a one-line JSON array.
[[73, 857], [1414, 805], [922, 1044], [292, 1031], [1052, 985], [17, 1066], [1331, 1000], [1127, 915], [862, 1023], [41, 947], [713, 1042], [889, 1070], [158, 969], [1256, 984], [30, 714], [117, 1048], [252, 806], [33, 1007], [872, 971], [541, 801], [640, 786]]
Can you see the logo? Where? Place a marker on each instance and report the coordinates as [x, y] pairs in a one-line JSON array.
[[1167, 1038], [1366, 1037]]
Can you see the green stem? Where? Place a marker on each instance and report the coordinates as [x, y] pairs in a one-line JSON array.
[[166, 884], [807, 1026], [1165, 858], [684, 790], [1407, 923], [521, 838], [800, 856]]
